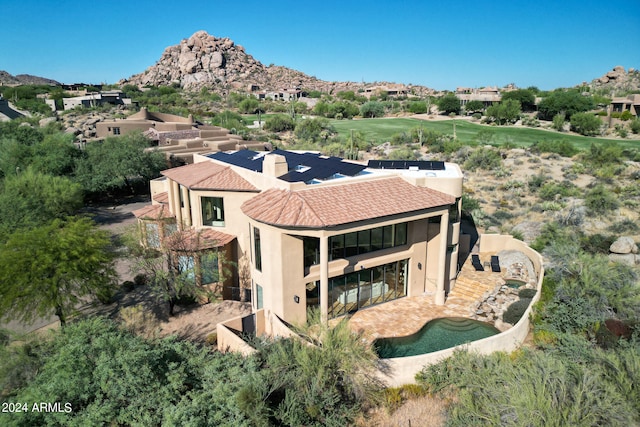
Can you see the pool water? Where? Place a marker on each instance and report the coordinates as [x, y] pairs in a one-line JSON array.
[[435, 335], [514, 283]]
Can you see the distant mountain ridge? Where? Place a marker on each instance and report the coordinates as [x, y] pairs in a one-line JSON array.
[[24, 79]]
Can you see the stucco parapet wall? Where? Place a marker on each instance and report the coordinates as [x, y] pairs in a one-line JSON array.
[[230, 341], [402, 370]]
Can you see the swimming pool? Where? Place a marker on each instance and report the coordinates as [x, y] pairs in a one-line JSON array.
[[435, 335]]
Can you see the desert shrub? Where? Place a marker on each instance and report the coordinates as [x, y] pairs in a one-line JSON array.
[[279, 123], [483, 158], [585, 123], [536, 388], [621, 131], [469, 204], [140, 280], [549, 205], [558, 122], [626, 115], [535, 182], [635, 126], [515, 311], [596, 243], [401, 138], [312, 385], [600, 200], [403, 154], [527, 293], [553, 190], [561, 147], [105, 295], [477, 116], [624, 226], [212, 339], [128, 285]]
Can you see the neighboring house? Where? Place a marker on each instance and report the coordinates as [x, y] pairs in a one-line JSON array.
[[307, 231], [176, 136], [95, 99], [142, 121], [391, 89], [281, 95], [630, 103], [487, 95]]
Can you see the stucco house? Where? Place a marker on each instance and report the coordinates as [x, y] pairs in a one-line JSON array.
[[142, 121], [629, 103], [309, 231]]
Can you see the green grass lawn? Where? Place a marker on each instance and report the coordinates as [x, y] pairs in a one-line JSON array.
[[381, 130]]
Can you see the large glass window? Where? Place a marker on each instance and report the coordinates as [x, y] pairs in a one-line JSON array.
[[259, 302], [151, 234], [187, 268], [365, 241], [311, 247], [212, 211], [209, 268], [336, 247], [257, 249], [363, 288]]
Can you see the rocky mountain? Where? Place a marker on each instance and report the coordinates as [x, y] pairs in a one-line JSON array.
[[203, 60], [618, 80], [24, 79]]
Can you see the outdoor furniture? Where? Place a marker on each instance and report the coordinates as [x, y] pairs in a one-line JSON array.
[[495, 264], [475, 261]]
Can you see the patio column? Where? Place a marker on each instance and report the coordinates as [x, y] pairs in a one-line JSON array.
[[187, 206], [442, 257], [324, 279], [175, 199]]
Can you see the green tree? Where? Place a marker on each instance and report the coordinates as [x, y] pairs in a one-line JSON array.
[[566, 102], [315, 130], [508, 111], [118, 162], [372, 109], [249, 105], [585, 123], [51, 268], [279, 123], [526, 98], [418, 107], [30, 199], [449, 103], [558, 122], [474, 106]]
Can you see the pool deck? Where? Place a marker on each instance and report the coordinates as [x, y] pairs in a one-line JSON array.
[[407, 315]]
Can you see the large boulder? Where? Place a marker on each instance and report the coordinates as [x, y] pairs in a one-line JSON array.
[[629, 259], [624, 245]]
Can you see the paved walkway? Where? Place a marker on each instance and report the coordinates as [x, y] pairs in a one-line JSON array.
[[406, 316]]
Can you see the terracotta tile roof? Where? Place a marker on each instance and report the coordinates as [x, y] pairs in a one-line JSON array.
[[153, 212], [208, 176], [162, 197], [342, 204], [193, 240]]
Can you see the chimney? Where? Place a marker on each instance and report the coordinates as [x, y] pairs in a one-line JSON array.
[[274, 165]]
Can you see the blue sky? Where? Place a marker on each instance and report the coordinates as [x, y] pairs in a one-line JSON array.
[[442, 45]]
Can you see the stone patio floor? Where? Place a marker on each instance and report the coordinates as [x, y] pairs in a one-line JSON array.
[[407, 315]]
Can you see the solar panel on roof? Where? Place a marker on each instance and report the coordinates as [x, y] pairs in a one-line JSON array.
[[406, 164]]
